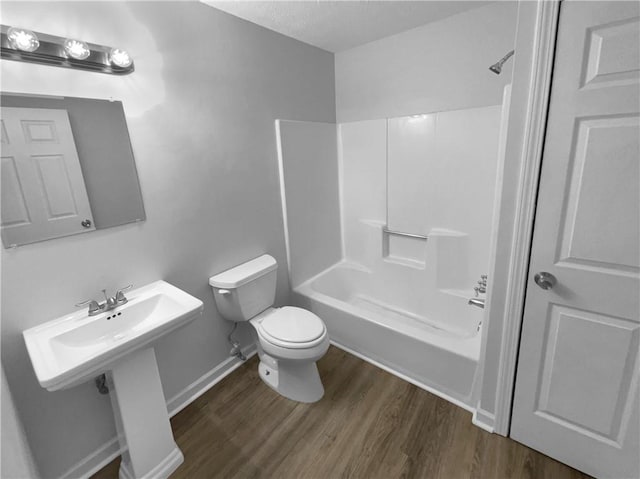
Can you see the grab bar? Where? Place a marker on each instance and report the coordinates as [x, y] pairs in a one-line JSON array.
[[401, 233]]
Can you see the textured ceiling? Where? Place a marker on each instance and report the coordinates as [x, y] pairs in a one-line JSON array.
[[339, 25]]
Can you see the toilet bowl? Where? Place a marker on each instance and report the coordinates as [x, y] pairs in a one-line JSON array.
[[289, 339]]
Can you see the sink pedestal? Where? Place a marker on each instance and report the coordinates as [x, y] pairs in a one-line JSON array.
[[142, 421]]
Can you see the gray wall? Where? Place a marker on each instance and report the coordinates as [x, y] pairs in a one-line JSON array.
[[440, 66], [16, 460], [201, 118]]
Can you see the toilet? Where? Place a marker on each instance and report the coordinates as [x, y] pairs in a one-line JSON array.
[[289, 340]]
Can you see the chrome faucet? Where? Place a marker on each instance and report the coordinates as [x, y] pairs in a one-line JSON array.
[[109, 302]]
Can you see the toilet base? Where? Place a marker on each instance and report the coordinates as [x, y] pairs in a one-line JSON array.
[[298, 381]]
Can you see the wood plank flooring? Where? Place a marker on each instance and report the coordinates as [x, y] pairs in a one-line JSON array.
[[369, 425]]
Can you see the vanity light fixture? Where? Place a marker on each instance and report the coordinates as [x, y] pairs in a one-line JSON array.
[[23, 45]]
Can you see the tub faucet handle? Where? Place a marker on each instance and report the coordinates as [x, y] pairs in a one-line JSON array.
[[483, 283]]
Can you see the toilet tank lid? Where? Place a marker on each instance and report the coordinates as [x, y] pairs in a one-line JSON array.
[[243, 273]]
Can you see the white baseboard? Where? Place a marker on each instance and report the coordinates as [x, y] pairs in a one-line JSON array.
[[111, 449], [197, 388], [94, 461], [484, 420], [419, 384]]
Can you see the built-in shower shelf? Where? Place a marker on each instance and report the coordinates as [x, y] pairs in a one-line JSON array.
[[406, 249]]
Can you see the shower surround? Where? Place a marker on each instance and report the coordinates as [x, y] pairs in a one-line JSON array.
[[413, 199]]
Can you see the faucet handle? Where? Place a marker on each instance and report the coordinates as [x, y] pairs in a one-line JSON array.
[[94, 307], [84, 303], [122, 290], [120, 297]]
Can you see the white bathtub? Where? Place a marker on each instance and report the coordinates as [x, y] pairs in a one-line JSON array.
[[430, 349]]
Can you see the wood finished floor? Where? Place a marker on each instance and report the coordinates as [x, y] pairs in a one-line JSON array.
[[370, 424]]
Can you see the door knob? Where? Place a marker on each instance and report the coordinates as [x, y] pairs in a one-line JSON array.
[[545, 280]]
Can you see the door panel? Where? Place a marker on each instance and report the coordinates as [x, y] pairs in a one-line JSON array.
[[43, 190], [605, 168], [576, 396], [587, 392], [39, 131], [612, 53], [14, 204], [55, 184]]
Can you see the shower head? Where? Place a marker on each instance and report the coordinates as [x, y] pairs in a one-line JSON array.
[[497, 67]]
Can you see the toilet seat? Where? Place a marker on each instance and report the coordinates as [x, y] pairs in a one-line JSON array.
[[290, 327]]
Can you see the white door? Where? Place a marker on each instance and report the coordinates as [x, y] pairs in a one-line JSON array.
[[43, 191], [576, 395]]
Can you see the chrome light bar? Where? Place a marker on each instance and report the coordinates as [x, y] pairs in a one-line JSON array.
[[51, 51]]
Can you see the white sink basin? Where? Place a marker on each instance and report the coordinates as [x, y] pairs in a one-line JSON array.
[[77, 347]]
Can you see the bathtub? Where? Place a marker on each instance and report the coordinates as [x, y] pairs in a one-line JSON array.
[[364, 316]]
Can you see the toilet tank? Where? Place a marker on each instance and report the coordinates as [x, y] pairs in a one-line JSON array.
[[246, 290]]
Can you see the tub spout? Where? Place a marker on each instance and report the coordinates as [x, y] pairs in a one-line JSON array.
[[479, 302]]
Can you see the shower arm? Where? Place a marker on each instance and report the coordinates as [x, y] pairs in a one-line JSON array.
[[506, 57]]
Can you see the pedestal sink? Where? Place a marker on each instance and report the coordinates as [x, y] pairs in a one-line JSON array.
[[77, 347]]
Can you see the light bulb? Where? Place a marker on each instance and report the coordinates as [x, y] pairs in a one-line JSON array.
[[24, 40], [76, 49], [120, 58]]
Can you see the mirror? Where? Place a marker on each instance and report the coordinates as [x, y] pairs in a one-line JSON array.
[[67, 168]]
